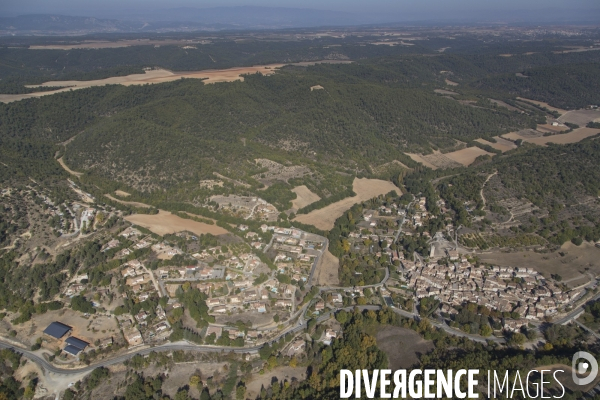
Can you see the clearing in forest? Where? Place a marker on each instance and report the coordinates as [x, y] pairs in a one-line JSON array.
[[364, 188], [542, 104], [467, 155], [304, 197], [164, 223], [326, 273], [128, 203], [501, 144], [562, 138]]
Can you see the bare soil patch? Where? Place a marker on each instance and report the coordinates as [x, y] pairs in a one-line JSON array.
[[69, 170], [326, 273], [364, 188], [255, 318], [122, 193], [448, 92], [164, 223], [467, 156], [304, 197], [501, 144], [129, 203], [450, 83], [403, 346], [572, 266], [258, 381]]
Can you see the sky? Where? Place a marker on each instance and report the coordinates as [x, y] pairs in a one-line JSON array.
[[426, 9]]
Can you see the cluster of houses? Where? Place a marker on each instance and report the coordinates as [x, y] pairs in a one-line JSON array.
[[516, 290]]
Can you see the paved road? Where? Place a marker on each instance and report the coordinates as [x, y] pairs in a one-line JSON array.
[[575, 313]]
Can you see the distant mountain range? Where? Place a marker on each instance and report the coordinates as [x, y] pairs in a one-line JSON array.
[[187, 19], [180, 19]]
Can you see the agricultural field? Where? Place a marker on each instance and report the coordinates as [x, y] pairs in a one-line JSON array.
[[467, 155], [564, 138], [572, 263], [304, 197], [542, 104], [580, 117], [364, 188], [501, 144], [164, 223]]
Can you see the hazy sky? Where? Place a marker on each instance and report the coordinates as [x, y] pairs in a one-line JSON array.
[[435, 8]]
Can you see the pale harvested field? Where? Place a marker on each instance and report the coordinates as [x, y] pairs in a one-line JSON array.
[[326, 273], [364, 188], [513, 136], [467, 155], [128, 203], [436, 160], [69, 170], [580, 117], [418, 158], [164, 223], [571, 266], [258, 381], [542, 104], [122, 193], [564, 138], [304, 197], [158, 76], [501, 144]]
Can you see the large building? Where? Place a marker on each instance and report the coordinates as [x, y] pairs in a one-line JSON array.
[[57, 330]]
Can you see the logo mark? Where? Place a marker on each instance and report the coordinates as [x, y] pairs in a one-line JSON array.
[[581, 367]]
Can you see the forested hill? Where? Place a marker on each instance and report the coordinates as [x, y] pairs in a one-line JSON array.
[[162, 134]]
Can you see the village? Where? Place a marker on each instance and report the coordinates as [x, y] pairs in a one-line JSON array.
[[246, 300], [450, 273]]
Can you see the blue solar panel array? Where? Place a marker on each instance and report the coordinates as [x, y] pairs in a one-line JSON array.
[[72, 350], [57, 330], [73, 341]]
